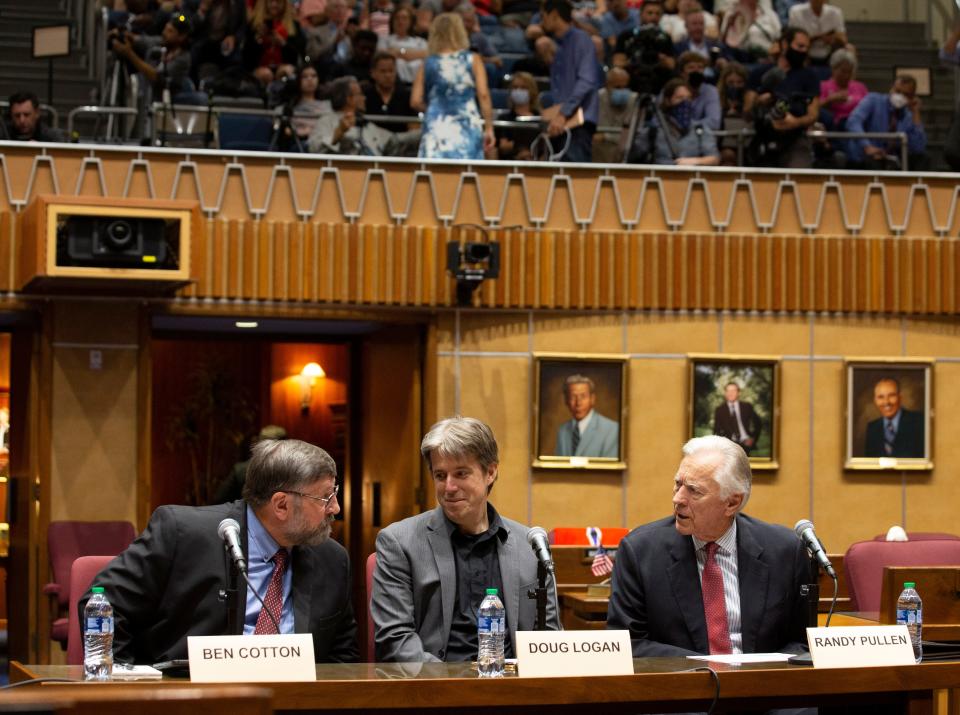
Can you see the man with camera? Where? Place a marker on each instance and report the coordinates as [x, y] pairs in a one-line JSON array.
[[646, 52], [165, 61], [784, 101]]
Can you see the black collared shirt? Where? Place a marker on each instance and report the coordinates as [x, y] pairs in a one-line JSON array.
[[478, 568]]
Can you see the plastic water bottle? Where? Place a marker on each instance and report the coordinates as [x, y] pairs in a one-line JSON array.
[[491, 629], [97, 637], [910, 614]]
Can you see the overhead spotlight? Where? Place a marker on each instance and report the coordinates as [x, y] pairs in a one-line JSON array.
[[472, 262]]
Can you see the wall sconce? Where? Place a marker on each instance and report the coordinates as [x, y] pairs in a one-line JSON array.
[[308, 379]]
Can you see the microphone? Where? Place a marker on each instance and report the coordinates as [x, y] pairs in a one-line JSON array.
[[537, 538], [804, 529], [229, 532]]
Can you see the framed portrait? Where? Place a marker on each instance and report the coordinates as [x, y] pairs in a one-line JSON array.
[[889, 414], [737, 397], [580, 411]]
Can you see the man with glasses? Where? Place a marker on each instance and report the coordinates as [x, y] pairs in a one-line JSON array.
[[167, 584], [433, 570]]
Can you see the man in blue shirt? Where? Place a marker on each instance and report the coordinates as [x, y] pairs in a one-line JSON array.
[[898, 111], [575, 78], [618, 19]]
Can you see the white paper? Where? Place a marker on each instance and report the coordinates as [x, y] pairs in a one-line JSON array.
[[745, 657], [122, 671]]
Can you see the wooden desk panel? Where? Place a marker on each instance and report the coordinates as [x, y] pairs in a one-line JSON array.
[[658, 685]]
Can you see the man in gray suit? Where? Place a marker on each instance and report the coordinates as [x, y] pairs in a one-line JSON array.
[[433, 569], [588, 434]]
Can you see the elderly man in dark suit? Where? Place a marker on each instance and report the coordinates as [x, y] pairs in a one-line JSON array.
[[433, 569], [898, 432], [166, 585], [709, 579], [737, 420]]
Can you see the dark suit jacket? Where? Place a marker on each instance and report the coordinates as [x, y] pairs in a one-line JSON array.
[[684, 46], [165, 587], [656, 590], [907, 443], [724, 424]]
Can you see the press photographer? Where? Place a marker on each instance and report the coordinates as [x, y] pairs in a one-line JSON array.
[[163, 61], [784, 101], [646, 52]]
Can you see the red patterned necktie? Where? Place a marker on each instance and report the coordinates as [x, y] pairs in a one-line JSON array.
[[274, 600], [714, 604]]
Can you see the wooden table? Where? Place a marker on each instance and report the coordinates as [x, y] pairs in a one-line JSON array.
[[658, 685]]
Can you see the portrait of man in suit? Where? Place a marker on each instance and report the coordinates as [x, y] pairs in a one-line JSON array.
[[736, 420], [897, 432], [587, 433]]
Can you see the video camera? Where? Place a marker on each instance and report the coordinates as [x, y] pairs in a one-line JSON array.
[[643, 47]]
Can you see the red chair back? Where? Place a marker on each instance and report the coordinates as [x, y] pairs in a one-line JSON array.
[[923, 536], [82, 573], [69, 540], [864, 562], [371, 645]]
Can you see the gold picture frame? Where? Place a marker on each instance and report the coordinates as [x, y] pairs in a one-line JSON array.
[[753, 421], [889, 414], [602, 443]]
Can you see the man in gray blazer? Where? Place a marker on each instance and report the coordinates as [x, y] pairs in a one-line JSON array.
[[588, 434], [433, 569]]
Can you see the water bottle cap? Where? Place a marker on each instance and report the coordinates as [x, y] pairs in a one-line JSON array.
[[909, 584], [96, 589], [492, 592]]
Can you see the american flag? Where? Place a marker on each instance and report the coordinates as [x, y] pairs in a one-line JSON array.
[[602, 565]]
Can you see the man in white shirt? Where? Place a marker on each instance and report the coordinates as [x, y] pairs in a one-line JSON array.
[[824, 24]]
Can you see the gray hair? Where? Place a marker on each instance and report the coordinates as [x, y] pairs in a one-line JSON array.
[[733, 475], [284, 465], [340, 91], [576, 380], [461, 437], [842, 56]]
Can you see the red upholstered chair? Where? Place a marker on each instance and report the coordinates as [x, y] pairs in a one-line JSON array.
[[864, 562], [67, 541], [923, 536], [81, 576], [371, 646]]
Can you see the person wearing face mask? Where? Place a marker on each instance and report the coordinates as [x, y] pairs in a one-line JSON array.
[[678, 138], [785, 101], [896, 111], [514, 142], [731, 88], [706, 99], [617, 105]]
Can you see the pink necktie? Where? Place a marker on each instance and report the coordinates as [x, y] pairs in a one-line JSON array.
[[714, 604], [274, 600]]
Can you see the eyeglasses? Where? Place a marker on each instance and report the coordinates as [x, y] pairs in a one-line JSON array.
[[324, 500]]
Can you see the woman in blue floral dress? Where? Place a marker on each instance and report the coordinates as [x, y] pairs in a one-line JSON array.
[[450, 84]]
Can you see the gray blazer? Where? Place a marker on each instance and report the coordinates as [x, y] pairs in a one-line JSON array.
[[415, 587], [601, 439]]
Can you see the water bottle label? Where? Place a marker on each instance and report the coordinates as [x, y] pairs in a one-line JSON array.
[[907, 616], [99, 624], [488, 624]]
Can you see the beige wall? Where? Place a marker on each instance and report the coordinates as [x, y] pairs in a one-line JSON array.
[[485, 369], [94, 412]]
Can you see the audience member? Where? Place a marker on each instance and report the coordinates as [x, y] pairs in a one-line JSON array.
[[385, 96], [273, 45], [840, 94], [679, 139], [620, 18], [307, 106], [381, 16], [750, 28], [217, 25], [517, 13], [675, 25], [646, 52], [706, 100], [345, 131], [163, 61], [479, 41], [824, 24], [697, 41], [950, 50], [449, 86], [651, 13], [514, 142], [896, 111], [575, 77], [25, 123], [408, 49], [617, 104], [732, 87], [538, 64], [364, 47], [785, 100], [325, 32]]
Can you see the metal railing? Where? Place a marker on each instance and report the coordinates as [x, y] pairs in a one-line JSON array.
[[99, 112]]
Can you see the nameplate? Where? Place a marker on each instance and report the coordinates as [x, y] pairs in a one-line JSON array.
[[543, 654], [252, 659], [860, 646]]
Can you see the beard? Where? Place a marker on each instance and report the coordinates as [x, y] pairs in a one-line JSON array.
[[301, 533]]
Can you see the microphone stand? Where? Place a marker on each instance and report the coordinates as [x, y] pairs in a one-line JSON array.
[[540, 594], [230, 596]]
